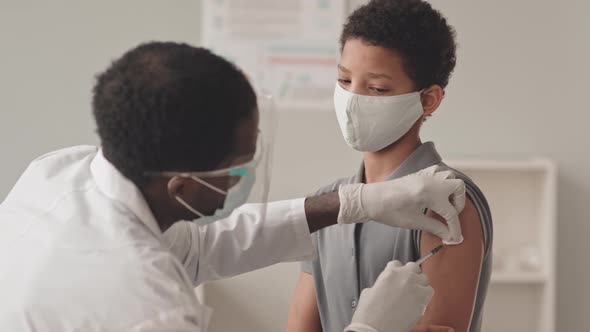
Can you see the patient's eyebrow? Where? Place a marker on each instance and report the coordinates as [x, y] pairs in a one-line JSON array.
[[376, 75], [344, 69], [370, 75]]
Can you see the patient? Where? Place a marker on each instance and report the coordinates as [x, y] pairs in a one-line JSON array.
[[391, 48]]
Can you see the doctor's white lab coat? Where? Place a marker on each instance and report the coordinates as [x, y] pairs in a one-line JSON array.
[[81, 251]]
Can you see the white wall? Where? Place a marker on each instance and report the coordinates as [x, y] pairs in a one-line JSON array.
[[519, 90], [49, 54]]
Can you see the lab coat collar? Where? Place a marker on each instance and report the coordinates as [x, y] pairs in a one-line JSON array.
[[423, 157], [117, 187]]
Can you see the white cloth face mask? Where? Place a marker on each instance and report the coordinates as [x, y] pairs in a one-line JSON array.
[[371, 123]]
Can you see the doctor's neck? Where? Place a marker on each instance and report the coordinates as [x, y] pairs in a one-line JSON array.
[[162, 211], [380, 164]]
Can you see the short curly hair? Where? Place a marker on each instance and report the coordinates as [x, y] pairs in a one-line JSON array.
[[167, 106], [419, 33]]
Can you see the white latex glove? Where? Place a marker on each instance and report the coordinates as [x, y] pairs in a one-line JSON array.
[[402, 202], [395, 303]]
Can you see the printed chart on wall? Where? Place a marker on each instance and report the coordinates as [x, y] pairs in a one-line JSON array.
[[289, 47]]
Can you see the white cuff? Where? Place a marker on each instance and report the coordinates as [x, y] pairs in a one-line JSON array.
[[304, 248], [351, 206]]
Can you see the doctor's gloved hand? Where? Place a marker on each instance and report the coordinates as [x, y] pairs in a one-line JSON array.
[[402, 203], [395, 303]]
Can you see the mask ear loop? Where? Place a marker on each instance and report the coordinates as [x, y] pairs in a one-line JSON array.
[[206, 184], [188, 207], [420, 94]]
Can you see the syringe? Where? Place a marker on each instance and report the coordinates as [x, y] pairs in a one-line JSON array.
[[430, 254]]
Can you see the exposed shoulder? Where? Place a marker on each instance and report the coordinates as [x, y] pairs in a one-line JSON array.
[[454, 273], [479, 205]]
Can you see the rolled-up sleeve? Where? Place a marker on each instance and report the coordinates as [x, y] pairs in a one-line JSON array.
[[307, 266]]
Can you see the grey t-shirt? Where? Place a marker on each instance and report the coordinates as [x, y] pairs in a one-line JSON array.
[[351, 257]]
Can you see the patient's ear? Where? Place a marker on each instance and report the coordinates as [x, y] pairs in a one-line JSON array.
[[431, 98]]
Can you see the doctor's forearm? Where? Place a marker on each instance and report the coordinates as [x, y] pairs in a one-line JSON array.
[[322, 211]]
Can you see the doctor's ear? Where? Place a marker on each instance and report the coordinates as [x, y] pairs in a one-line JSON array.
[[431, 98], [177, 186]]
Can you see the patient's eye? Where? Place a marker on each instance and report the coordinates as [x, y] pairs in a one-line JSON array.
[[379, 90], [343, 81]]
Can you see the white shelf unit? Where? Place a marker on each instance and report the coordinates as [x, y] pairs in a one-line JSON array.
[[522, 195]]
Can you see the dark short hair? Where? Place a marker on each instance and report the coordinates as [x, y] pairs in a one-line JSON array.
[[419, 33], [167, 106]]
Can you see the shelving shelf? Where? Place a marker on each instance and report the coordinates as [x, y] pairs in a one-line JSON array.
[[519, 278]]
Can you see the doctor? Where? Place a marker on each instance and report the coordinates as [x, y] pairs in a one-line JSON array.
[[81, 241]]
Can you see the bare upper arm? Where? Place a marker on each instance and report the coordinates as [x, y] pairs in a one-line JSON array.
[[454, 273], [304, 315]]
